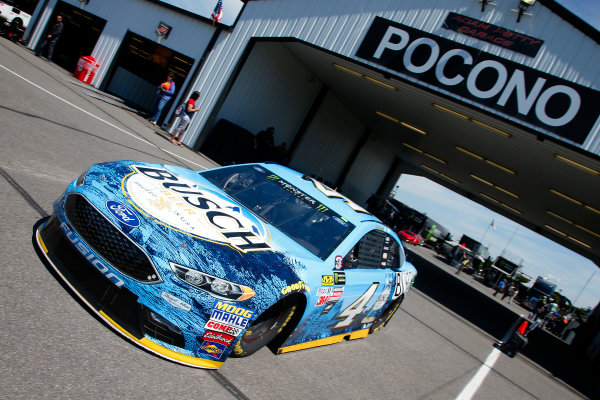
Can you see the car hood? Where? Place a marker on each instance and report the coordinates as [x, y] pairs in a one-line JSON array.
[[177, 216]]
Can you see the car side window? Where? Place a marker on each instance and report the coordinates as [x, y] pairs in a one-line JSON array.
[[375, 250]]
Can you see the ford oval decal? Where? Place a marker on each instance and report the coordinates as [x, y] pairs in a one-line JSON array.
[[122, 213]]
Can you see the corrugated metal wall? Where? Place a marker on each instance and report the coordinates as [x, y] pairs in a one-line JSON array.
[[189, 35], [329, 141], [273, 89], [339, 26]]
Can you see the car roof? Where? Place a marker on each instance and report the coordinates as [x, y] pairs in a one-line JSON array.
[[336, 201]]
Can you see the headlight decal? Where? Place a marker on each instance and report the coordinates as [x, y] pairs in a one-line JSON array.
[[215, 286]]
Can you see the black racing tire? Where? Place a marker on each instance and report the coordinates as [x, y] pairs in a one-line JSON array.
[[265, 328], [386, 315]]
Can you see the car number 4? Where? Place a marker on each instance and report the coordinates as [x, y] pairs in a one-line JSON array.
[[356, 308]]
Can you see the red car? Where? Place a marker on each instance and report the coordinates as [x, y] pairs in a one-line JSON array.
[[410, 237]]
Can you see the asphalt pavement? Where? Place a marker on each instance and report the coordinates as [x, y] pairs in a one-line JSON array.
[[52, 348]]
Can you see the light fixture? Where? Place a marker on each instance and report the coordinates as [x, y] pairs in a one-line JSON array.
[[470, 153], [397, 121], [501, 167], [492, 184], [412, 148], [566, 197], [366, 77], [578, 165], [523, 6], [414, 128], [463, 116], [435, 171], [384, 115], [486, 3]]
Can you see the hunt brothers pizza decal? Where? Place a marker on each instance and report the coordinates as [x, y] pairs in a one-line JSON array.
[[494, 34], [524, 94]]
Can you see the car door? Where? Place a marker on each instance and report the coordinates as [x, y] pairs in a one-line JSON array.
[[367, 275]]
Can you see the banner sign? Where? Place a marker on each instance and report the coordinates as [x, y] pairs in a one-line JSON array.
[[163, 29], [521, 93], [493, 34]]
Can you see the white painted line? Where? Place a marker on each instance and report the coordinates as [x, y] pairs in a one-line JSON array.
[[475, 383], [96, 117]]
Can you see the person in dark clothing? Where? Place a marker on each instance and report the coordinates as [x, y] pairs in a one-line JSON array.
[[51, 39]]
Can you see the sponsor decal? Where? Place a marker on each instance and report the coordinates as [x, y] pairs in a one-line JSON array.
[[383, 297], [323, 295], [295, 287], [122, 213], [339, 262], [218, 337], [336, 295], [403, 283], [230, 314], [175, 301], [327, 308], [518, 92], [339, 278], [494, 34], [221, 327], [327, 280], [196, 211], [213, 349], [87, 253]]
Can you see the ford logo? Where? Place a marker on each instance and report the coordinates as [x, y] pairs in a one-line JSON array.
[[122, 213]]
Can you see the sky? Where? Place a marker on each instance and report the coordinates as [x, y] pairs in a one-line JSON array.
[[577, 277]]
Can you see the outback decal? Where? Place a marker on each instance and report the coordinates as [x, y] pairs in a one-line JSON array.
[[197, 211], [295, 287], [87, 253]]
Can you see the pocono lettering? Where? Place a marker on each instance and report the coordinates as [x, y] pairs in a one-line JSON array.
[[397, 39]]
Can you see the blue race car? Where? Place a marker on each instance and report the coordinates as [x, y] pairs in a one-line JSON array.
[[196, 266]]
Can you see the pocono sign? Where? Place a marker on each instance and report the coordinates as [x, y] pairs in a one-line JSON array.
[[524, 94]]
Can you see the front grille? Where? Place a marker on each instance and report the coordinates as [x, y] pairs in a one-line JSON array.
[[108, 241], [119, 304]]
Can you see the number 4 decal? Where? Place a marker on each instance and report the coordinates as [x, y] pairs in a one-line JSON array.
[[356, 308]]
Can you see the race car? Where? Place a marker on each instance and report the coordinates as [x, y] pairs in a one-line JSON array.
[[197, 266], [410, 237]]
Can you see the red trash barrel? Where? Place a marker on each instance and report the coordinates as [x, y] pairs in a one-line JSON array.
[[86, 68]]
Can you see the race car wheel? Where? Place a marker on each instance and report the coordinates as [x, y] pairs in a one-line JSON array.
[[386, 315], [266, 327]]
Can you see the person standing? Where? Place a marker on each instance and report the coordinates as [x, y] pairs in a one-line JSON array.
[[51, 39], [185, 118], [163, 95]]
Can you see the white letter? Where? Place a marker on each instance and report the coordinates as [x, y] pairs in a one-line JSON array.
[[524, 102], [540, 107], [386, 44], [439, 70], [502, 76], [435, 52]]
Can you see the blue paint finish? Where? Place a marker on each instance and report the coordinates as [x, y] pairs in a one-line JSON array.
[[167, 229]]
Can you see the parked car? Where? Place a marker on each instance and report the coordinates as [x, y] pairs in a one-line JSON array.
[[13, 21], [410, 237], [196, 266]]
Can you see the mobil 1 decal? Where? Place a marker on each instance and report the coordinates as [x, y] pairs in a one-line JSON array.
[[520, 93]]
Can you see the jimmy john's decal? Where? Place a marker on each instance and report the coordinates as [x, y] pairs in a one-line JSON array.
[[197, 211]]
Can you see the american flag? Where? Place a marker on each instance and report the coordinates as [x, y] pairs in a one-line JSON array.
[[218, 12]]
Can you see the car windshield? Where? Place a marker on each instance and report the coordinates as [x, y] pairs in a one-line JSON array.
[[298, 215]]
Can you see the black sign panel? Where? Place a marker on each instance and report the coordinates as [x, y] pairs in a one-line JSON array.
[[494, 34], [523, 94]]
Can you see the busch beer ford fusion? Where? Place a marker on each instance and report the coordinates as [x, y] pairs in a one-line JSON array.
[[199, 266]]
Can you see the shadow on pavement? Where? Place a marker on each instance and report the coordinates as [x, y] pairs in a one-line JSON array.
[[552, 354]]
